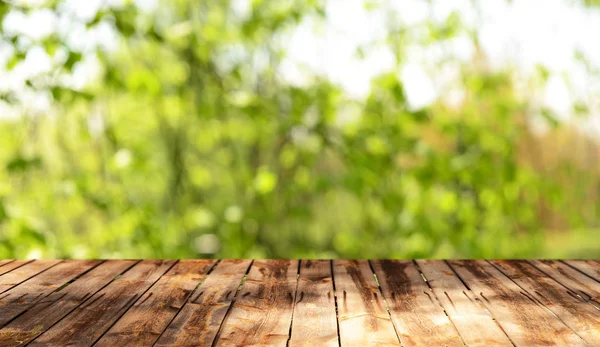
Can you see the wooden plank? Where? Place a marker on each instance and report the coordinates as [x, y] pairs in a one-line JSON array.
[[13, 265], [579, 283], [5, 261], [20, 298], [525, 322], [474, 324], [314, 321], [149, 316], [588, 267], [362, 315], [418, 318], [60, 303], [89, 321], [23, 273], [262, 313], [575, 312], [199, 320]]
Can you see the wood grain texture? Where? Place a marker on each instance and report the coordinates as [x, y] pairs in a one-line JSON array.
[[474, 324], [579, 283], [262, 313], [57, 305], [88, 322], [149, 316], [18, 299], [525, 321], [418, 318], [362, 315], [314, 321], [5, 261], [588, 267], [299, 303], [199, 320], [23, 273], [11, 265], [575, 312]]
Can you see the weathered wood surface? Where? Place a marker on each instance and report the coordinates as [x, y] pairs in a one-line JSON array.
[[580, 284], [575, 312], [418, 317], [315, 306], [262, 312], [18, 299], [523, 319], [299, 303], [149, 316], [199, 321], [87, 323], [9, 265], [474, 323], [23, 273], [363, 318]]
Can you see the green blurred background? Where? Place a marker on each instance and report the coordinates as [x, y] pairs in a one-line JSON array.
[[309, 128]]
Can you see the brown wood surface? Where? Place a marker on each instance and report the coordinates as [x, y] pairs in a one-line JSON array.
[[88, 322], [299, 303], [57, 305], [150, 315], [526, 322], [262, 313], [23, 273], [11, 265], [473, 322], [362, 315], [18, 299], [575, 312], [5, 261], [588, 267], [579, 283], [199, 320], [315, 306], [417, 316]]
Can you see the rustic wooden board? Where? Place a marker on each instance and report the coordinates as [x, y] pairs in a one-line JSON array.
[[262, 313], [314, 321], [475, 325], [200, 318], [57, 305], [576, 313], [88, 322], [149, 316], [418, 318], [579, 283], [588, 267], [299, 303], [18, 299], [5, 261], [23, 273], [11, 265], [526, 322], [362, 315]]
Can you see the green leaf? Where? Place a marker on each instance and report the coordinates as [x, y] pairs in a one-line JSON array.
[[20, 164], [74, 57], [16, 59]]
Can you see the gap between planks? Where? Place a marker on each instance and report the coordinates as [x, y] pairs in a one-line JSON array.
[[569, 286]]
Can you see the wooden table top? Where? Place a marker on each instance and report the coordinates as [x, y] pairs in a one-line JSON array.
[[299, 303]]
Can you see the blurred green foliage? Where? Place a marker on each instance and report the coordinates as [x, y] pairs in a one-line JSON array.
[[191, 145]]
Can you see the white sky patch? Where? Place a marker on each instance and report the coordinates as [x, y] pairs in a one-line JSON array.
[[420, 90], [557, 96], [411, 12]]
